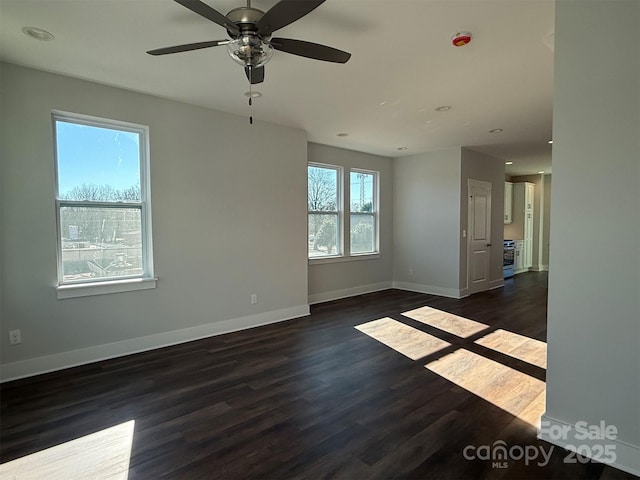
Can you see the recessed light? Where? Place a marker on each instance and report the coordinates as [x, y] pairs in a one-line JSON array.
[[550, 142], [401, 148], [508, 163], [496, 130], [253, 94], [38, 34], [443, 108], [342, 134]]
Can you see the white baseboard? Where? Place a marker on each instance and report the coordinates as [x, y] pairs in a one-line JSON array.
[[348, 292], [493, 284], [430, 289], [59, 361], [540, 268], [627, 455]]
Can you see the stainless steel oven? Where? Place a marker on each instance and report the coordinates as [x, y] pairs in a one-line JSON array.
[[508, 259]]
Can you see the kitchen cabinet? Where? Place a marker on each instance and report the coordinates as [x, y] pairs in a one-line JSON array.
[[518, 264], [521, 227], [508, 202], [528, 238], [528, 195]]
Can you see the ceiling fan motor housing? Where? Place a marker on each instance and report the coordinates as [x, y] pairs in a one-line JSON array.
[[245, 18]]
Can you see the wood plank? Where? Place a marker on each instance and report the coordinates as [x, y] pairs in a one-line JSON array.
[[517, 346], [454, 324], [402, 338]]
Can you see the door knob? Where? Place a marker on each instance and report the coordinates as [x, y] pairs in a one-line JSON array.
[[488, 244]]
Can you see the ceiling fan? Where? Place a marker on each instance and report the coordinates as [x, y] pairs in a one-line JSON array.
[[250, 29]]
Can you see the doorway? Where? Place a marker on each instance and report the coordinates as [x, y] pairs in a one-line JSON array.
[[479, 235]]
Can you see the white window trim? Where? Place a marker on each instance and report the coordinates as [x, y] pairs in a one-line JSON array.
[[105, 287], [82, 288], [344, 219], [375, 213], [340, 246], [349, 258]]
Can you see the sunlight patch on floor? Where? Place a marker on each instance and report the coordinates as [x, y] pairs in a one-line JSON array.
[[404, 339], [515, 392], [517, 346], [454, 324], [101, 455]]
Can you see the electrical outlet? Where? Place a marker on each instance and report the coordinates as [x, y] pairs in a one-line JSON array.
[[15, 337], [411, 272], [254, 298]]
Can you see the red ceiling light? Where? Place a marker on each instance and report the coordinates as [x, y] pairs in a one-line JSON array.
[[460, 39]]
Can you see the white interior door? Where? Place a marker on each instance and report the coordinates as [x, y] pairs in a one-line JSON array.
[[479, 236]]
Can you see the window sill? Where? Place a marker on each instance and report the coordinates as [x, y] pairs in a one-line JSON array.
[[350, 258], [102, 288]]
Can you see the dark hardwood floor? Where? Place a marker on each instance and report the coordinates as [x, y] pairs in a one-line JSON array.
[[309, 398]]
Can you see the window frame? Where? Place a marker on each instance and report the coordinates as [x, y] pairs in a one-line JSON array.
[[375, 206], [344, 219], [93, 286], [339, 212]]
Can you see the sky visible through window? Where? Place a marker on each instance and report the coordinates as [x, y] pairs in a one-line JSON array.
[[94, 155], [361, 197]]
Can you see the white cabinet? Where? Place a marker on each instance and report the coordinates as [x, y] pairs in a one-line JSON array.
[[508, 202], [521, 227], [528, 224], [518, 262], [528, 238], [528, 195]]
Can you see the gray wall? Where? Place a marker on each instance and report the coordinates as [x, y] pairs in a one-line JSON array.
[[328, 281], [594, 277], [426, 222], [480, 166], [229, 219], [546, 222], [431, 213]]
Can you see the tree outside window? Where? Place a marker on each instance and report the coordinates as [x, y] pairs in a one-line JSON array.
[[324, 214]]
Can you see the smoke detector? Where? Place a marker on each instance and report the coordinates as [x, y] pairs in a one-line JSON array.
[[460, 39]]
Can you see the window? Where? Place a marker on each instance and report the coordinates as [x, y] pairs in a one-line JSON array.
[[363, 187], [102, 201], [326, 204], [323, 203]]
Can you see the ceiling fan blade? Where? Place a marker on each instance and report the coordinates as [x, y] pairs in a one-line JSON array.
[[187, 47], [256, 75], [285, 12], [210, 14], [310, 50]]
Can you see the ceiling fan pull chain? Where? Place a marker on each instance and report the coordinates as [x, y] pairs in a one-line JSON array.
[[250, 94]]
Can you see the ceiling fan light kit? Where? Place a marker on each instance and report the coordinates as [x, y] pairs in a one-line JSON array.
[[249, 51]]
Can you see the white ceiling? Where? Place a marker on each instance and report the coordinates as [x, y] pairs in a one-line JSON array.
[[403, 66]]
